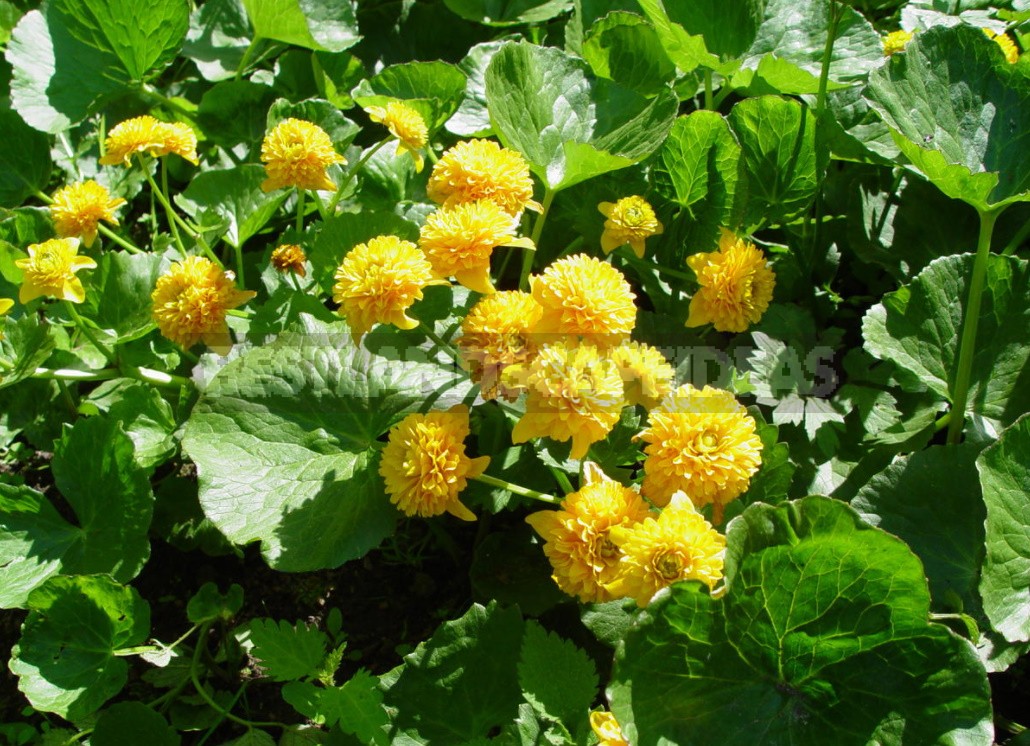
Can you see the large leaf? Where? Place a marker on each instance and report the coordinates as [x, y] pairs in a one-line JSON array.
[[959, 112], [121, 287], [133, 722], [66, 660], [461, 683], [143, 36], [235, 195], [569, 125], [24, 160], [780, 155], [472, 119], [1005, 480], [931, 501], [218, 38], [625, 48], [821, 637], [329, 25], [917, 328], [699, 168], [285, 440], [508, 12]]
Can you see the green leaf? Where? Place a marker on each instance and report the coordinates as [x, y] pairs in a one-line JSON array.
[[959, 112], [462, 682], [509, 566], [120, 290], [33, 538], [556, 677], [58, 78], [356, 706], [774, 74], [234, 112], [27, 343], [570, 126], [329, 25], [145, 416], [234, 195], [687, 50], [110, 495], [208, 604], [931, 500], [24, 160], [66, 659], [625, 48], [287, 652], [508, 12], [472, 119], [699, 168], [1005, 582], [917, 328], [822, 636], [132, 722], [143, 36], [434, 89], [218, 38], [285, 442], [780, 157], [796, 30]]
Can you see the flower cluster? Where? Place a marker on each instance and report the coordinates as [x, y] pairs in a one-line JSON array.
[[146, 135], [605, 543], [896, 41], [77, 210], [296, 153], [1005, 43], [407, 125], [629, 221], [289, 258], [736, 285], [50, 271]]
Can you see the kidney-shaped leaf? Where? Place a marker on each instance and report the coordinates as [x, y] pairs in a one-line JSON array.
[[569, 125], [959, 113], [329, 25], [66, 659], [285, 442], [821, 637]]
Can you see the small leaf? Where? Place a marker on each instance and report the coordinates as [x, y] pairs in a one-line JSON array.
[[556, 677], [65, 660], [234, 195], [1005, 582], [27, 343], [329, 25], [208, 604], [120, 290], [287, 652], [510, 12], [625, 48]]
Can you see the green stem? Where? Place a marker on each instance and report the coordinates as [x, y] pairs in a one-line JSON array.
[[967, 344], [195, 678], [942, 422], [77, 737], [538, 229], [238, 254], [320, 205], [173, 217], [353, 172], [300, 213], [93, 338], [167, 202], [440, 342], [242, 68], [836, 14], [709, 101], [6, 364], [1017, 240], [162, 99], [562, 479], [517, 489], [124, 243], [70, 374], [155, 377]]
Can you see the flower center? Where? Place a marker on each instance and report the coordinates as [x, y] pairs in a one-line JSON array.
[[708, 440], [606, 547], [669, 565]]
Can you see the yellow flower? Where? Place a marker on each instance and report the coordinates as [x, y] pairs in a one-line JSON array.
[[50, 270], [1008, 47], [646, 374], [424, 463], [482, 169], [148, 135], [458, 241], [630, 220], [289, 258], [576, 536], [679, 545], [296, 153], [377, 282], [6, 304], [77, 209], [190, 302], [406, 125], [574, 393], [496, 333], [895, 42], [583, 296], [702, 442], [607, 729], [736, 285]]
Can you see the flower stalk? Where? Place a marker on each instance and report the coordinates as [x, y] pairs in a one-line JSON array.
[[967, 342], [538, 229], [517, 489]]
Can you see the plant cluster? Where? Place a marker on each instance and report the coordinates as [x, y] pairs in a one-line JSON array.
[[711, 319]]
